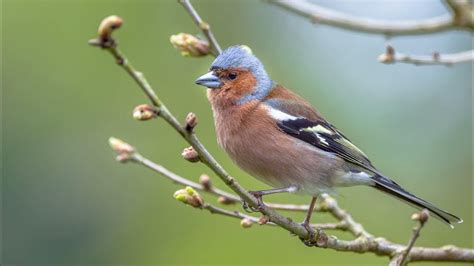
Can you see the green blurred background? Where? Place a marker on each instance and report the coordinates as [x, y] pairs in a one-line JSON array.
[[66, 201]]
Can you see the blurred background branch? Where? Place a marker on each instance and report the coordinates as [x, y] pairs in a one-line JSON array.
[[391, 56], [460, 16], [363, 242]]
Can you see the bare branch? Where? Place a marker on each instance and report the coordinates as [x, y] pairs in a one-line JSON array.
[[364, 242], [461, 17], [204, 26], [401, 258], [422, 218], [140, 159], [235, 214], [330, 204], [391, 56], [463, 12], [125, 150], [321, 15], [382, 247]]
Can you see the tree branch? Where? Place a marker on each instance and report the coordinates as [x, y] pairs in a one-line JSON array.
[[401, 258], [391, 56], [140, 159], [204, 26], [235, 214], [364, 241], [461, 16], [321, 15]]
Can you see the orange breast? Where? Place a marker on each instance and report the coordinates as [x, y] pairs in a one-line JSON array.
[[256, 144]]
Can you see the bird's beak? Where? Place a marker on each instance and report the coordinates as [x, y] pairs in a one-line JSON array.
[[209, 80]]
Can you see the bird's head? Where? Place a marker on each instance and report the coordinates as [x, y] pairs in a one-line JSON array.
[[236, 77]]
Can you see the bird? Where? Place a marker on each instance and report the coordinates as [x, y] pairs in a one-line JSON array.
[[277, 136]]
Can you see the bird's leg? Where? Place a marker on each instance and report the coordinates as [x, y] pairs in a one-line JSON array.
[[307, 222], [260, 193]]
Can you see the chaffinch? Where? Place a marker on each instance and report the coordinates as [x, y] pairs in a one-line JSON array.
[[278, 137]]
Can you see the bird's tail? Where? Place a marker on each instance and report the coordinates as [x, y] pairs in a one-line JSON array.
[[388, 186]]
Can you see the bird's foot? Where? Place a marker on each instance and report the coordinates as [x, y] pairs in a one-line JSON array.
[[258, 195], [309, 241]]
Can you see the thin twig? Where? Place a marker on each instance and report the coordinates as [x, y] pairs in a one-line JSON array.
[[433, 59], [204, 26], [422, 218], [322, 15], [235, 214], [140, 159], [460, 16], [330, 204], [327, 204]]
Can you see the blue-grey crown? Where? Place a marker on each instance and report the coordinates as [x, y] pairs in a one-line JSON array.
[[240, 57]]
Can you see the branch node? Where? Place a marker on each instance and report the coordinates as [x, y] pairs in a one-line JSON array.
[[463, 13], [263, 220], [321, 238]]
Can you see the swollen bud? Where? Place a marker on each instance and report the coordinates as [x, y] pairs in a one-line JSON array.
[[189, 196], [189, 45], [246, 223], [144, 112], [191, 122], [108, 25], [124, 150], [389, 56], [205, 181], [225, 200], [190, 154], [421, 216], [120, 146]]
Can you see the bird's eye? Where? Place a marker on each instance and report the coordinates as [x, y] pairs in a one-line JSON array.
[[232, 75]]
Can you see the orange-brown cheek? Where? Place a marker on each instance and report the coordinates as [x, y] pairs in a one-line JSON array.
[[231, 92], [244, 85]]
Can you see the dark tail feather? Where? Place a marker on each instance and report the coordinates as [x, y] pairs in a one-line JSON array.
[[387, 185]]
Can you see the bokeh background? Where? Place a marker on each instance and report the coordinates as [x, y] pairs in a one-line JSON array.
[[65, 201]]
